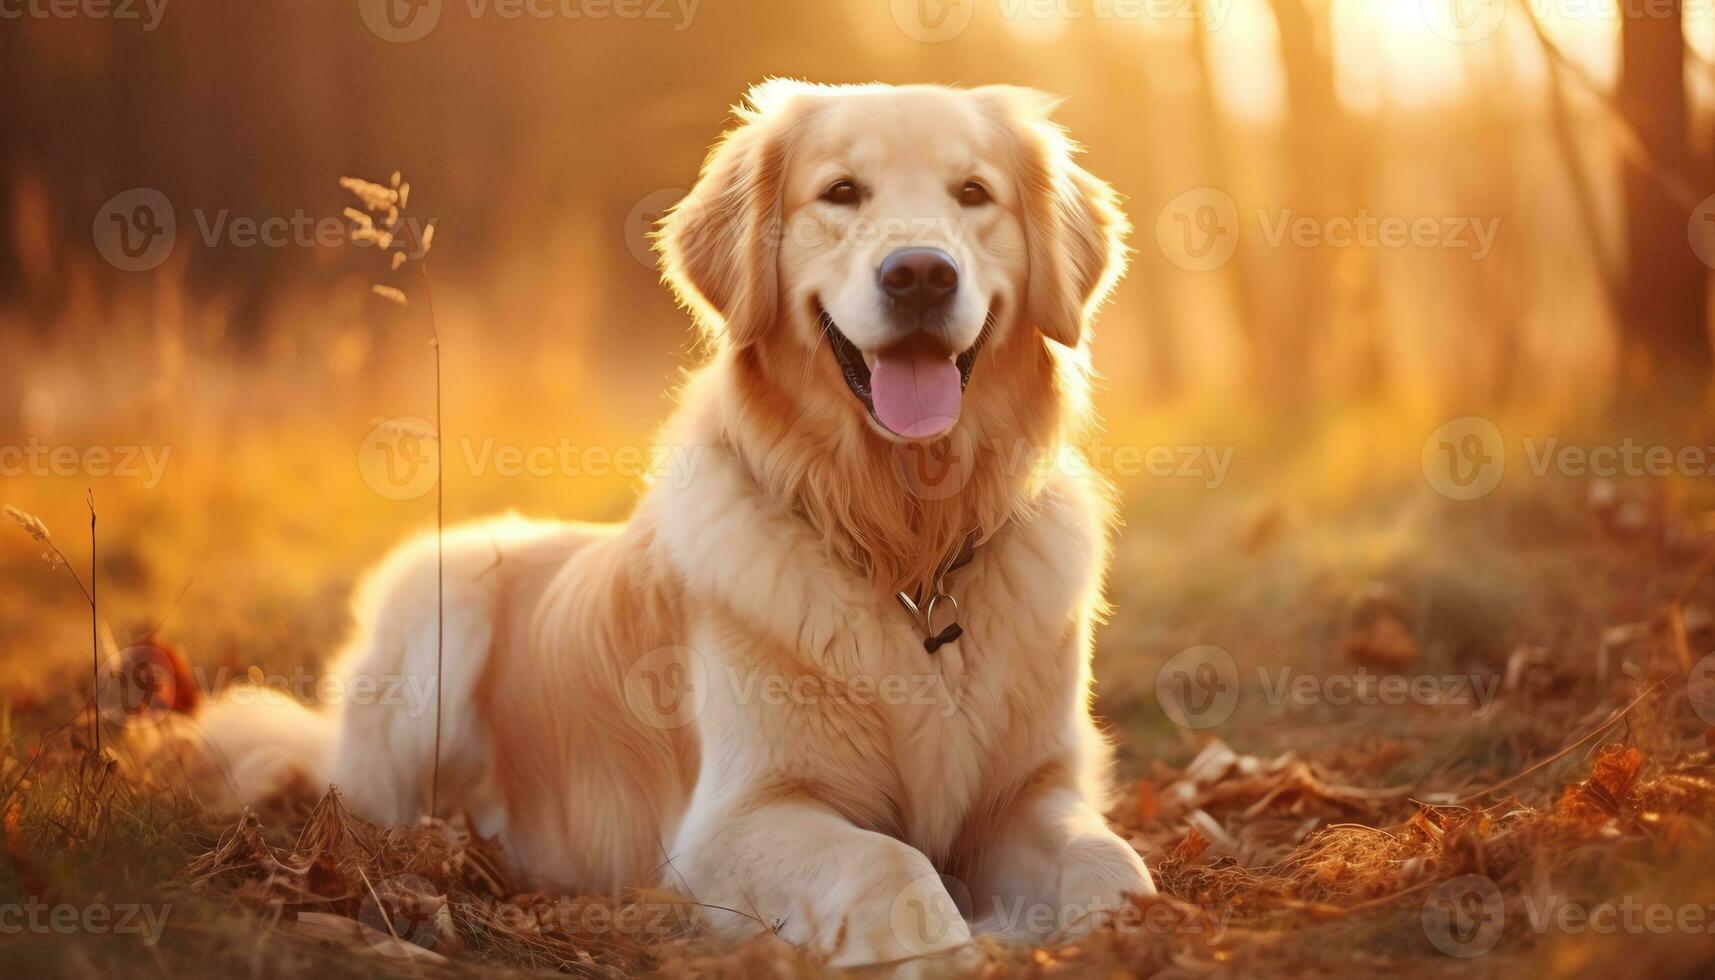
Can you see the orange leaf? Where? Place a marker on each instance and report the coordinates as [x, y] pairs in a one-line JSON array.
[[1616, 771], [1148, 807], [1192, 847], [14, 814]]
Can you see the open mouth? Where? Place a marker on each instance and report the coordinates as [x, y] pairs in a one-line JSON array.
[[912, 389]]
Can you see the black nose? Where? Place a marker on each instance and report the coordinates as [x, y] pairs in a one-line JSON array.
[[919, 277]]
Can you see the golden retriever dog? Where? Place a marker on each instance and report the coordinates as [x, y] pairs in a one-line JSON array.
[[833, 675]]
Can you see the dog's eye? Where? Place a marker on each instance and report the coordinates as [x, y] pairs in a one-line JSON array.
[[844, 192], [973, 194]]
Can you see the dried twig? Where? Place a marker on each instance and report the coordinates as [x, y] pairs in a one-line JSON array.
[[440, 551], [1618, 716], [41, 746], [94, 642], [36, 529]]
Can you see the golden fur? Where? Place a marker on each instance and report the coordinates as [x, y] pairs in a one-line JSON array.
[[775, 556], [1033, 396]]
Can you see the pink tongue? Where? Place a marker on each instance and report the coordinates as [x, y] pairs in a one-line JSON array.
[[915, 395]]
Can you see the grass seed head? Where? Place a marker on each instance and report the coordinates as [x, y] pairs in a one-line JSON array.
[[388, 203], [390, 294], [374, 197], [31, 524]]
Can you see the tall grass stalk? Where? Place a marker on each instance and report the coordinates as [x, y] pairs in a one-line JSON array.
[[36, 529], [440, 552], [388, 201]]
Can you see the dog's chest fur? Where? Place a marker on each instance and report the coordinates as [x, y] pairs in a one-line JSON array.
[[821, 687], [1004, 694]]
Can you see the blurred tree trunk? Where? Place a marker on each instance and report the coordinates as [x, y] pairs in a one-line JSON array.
[[1315, 154], [32, 176], [1214, 146], [1118, 69], [1582, 188], [1364, 365], [1665, 357], [1494, 291], [14, 59]]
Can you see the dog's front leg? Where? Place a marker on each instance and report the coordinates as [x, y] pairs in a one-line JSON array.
[[1054, 868], [797, 868]]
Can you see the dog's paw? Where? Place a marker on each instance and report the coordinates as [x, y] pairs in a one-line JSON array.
[[1099, 877]]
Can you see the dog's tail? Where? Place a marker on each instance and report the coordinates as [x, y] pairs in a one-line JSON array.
[[244, 745], [260, 742]]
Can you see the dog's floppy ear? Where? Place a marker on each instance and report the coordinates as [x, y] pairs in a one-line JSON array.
[[719, 245], [1072, 221]]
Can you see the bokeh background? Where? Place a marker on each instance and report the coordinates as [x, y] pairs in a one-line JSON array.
[[1543, 168], [1417, 285]]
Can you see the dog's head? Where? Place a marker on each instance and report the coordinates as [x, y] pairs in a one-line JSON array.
[[884, 237]]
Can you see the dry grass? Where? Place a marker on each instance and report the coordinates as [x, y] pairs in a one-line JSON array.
[[1305, 840]]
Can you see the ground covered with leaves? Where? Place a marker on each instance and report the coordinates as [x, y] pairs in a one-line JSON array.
[[1414, 738]]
